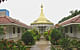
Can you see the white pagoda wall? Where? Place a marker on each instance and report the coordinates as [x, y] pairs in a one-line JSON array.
[[48, 26]]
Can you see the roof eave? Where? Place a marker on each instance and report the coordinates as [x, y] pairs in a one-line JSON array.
[[13, 24], [41, 23]]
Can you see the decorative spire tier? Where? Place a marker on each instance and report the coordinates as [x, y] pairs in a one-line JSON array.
[[42, 19]]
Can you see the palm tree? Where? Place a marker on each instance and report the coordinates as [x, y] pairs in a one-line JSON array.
[[2, 0]]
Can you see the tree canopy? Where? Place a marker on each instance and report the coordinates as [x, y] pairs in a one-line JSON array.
[[73, 13], [27, 38]]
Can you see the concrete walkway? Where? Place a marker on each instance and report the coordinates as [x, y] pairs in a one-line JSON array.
[[41, 45]]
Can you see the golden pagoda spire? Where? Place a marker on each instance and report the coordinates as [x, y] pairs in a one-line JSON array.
[[42, 19], [41, 10]]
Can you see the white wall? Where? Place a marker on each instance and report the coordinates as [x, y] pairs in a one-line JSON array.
[[75, 31], [10, 35]]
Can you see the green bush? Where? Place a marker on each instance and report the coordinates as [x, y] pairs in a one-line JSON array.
[[65, 43], [55, 36], [36, 34], [46, 35], [52, 48], [27, 38], [11, 45], [1, 30], [74, 43], [78, 45]]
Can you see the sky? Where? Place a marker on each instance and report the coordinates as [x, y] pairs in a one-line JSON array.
[[28, 11]]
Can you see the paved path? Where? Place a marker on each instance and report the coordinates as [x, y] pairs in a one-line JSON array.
[[41, 45]]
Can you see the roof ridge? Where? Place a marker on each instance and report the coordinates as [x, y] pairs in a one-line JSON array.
[[77, 18], [9, 19], [70, 19]]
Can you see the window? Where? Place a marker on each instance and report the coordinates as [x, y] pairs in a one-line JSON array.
[[13, 30], [70, 29], [66, 29], [18, 30]]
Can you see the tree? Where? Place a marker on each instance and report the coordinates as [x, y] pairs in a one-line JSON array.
[[55, 36], [36, 34], [27, 38], [73, 13]]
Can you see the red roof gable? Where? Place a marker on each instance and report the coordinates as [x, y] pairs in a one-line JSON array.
[[9, 20], [75, 19]]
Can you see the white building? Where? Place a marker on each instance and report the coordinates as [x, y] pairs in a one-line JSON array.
[[12, 28], [72, 27], [42, 24]]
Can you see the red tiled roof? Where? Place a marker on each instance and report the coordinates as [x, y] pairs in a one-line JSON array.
[[9, 20], [75, 19]]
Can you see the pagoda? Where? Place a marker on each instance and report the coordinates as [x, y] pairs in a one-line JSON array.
[[42, 24]]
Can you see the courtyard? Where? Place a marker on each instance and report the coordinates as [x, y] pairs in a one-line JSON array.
[[39, 25]]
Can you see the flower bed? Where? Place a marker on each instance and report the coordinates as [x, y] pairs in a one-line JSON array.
[[12, 45], [67, 44]]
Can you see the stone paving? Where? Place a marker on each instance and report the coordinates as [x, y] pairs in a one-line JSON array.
[[41, 45]]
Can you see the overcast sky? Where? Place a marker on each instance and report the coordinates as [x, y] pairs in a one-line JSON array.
[[29, 10]]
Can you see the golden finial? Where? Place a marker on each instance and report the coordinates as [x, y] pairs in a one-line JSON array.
[[41, 5], [41, 10]]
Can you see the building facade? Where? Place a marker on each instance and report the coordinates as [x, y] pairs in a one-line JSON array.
[[42, 24], [72, 27], [10, 28]]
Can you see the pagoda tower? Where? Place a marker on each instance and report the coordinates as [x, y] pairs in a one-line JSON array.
[[42, 24]]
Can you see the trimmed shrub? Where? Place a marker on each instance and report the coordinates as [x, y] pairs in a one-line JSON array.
[[27, 38]]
